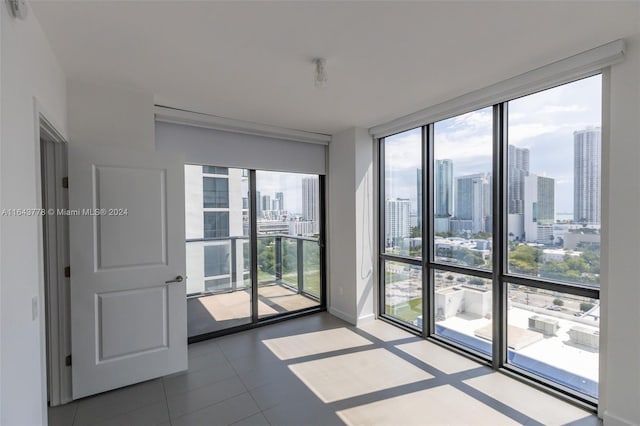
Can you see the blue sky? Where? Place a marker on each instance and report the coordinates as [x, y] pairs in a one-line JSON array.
[[543, 122]]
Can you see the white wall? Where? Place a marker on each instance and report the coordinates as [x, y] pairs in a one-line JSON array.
[[621, 244], [351, 226], [29, 71], [110, 116]]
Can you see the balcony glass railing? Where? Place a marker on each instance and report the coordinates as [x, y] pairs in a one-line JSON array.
[[220, 265]]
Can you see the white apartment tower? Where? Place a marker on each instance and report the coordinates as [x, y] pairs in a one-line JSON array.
[[397, 224], [586, 175], [310, 189]]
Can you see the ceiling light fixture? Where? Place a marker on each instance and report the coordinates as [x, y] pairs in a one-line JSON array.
[[321, 72]]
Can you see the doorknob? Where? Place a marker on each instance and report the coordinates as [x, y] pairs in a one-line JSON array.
[[177, 279]]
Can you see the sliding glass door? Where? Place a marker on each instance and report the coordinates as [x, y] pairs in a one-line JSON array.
[[230, 213], [288, 231]]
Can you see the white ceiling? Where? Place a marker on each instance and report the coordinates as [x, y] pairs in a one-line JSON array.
[[252, 61]]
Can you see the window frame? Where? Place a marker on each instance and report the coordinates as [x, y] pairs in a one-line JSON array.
[[499, 275], [250, 239]]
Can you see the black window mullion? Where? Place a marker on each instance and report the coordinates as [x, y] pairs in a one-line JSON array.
[[401, 259], [499, 183], [427, 230], [253, 242], [461, 270], [381, 227], [452, 267], [584, 291]]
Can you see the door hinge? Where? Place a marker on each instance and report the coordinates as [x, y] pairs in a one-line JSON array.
[[67, 360], [65, 182], [67, 271]]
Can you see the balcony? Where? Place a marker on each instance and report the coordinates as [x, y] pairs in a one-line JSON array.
[[219, 282]]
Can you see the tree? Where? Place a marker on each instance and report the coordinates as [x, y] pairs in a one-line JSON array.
[[416, 232], [592, 259], [266, 255], [468, 257], [558, 302], [525, 259]]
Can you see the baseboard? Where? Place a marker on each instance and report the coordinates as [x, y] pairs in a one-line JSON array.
[[343, 316], [364, 319], [613, 420]]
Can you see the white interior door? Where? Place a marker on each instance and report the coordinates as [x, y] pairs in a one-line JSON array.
[[128, 319]]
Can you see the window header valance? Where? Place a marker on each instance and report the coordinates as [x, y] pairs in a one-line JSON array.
[[581, 65], [209, 140]]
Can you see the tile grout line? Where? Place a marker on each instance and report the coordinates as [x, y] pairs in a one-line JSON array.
[[75, 413], [207, 406], [166, 401], [148, 404], [215, 403], [245, 386]]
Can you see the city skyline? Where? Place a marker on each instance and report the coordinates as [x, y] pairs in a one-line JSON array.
[[289, 184], [543, 123]]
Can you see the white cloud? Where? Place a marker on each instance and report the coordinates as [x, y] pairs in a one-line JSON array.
[[563, 108]]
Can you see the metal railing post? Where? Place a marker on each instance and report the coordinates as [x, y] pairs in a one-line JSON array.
[[278, 242], [300, 264], [234, 269]]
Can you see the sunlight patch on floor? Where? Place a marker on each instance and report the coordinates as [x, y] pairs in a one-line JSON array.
[[442, 405], [526, 399], [439, 358], [315, 343], [346, 376]]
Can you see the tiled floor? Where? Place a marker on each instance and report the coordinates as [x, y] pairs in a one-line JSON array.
[[318, 370]]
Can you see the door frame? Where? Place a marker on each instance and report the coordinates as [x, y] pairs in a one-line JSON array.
[[256, 321], [56, 376]]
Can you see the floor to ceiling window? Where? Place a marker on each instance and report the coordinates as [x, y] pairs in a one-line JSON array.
[[283, 219], [501, 255], [402, 228]]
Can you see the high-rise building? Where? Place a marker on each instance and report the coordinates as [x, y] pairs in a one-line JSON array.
[[518, 169], [443, 188], [586, 175], [473, 203], [397, 224], [310, 197], [215, 214], [539, 208], [280, 201], [266, 202]]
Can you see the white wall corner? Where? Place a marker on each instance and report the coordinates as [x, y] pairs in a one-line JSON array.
[[352, 222], [365, 319], [343, 315]]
